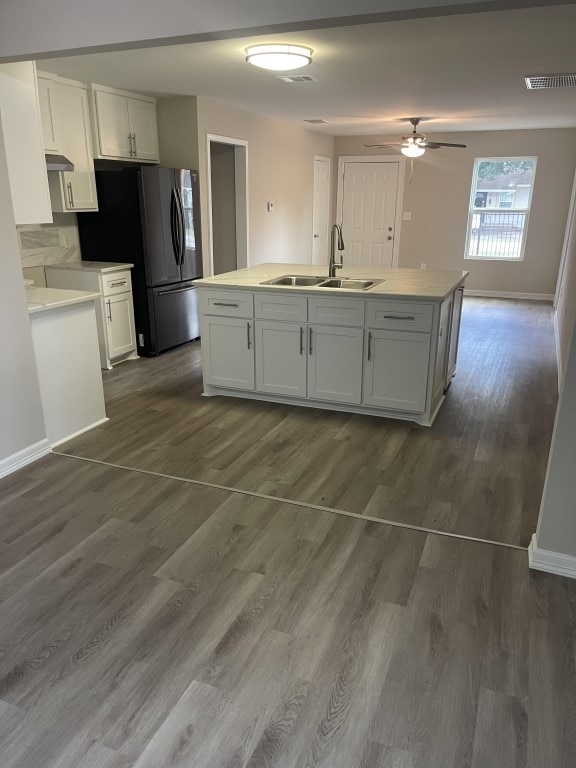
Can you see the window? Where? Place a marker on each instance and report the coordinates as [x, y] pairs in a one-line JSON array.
[[499, 207]]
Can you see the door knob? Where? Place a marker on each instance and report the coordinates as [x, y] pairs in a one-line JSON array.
[[390, 237]]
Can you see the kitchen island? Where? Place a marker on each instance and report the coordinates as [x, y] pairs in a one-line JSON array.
[[65, 339], [374, 341]]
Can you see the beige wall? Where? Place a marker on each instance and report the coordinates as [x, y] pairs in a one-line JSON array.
[[566, 293], [439, 195], [178, 132], [280, 169], [21, 419]]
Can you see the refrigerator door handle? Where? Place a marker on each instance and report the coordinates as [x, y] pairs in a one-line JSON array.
[[174, 227], [178, 290], [182, 226]]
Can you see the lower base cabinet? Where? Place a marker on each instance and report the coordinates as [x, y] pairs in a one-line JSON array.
[[396, 370], [316, 361], [335, 363], [120, 324], [280, 358], [228, 352]]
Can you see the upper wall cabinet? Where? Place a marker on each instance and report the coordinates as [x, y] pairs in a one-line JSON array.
[[20, 115], [73, 191], [47, 99], [124, 125]]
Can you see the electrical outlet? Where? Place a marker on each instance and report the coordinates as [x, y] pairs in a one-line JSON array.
[[423, 265]]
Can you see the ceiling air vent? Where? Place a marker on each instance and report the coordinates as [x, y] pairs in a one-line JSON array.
[[316, 121], [297, 79], [550, 81]]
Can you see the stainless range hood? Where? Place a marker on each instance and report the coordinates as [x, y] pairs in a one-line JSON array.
[[58, 163]]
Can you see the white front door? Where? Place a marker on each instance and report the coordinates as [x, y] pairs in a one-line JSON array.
[[368, 213], [321, 210]]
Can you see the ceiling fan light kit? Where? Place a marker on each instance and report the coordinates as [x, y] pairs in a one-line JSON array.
[[412, 150], [279, 57]]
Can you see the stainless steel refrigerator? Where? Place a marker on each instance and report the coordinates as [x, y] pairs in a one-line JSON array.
[[149, 216]]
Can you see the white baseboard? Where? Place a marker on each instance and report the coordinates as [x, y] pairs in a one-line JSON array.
[[551, 562], [24, 457], [80, 432], [509, 295]]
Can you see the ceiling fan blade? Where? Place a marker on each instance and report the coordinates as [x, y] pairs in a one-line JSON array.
[[438, 144], [383, 146]]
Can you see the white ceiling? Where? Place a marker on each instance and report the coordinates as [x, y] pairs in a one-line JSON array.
[[463, 72]]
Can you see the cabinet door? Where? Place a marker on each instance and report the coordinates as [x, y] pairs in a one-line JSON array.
[[454, 334], [280, 358], [78, 186], [228, 352], [47, 99], [120, 324], [396, 370], [335, 363], [441, 367], [142, 120], [113, 124]]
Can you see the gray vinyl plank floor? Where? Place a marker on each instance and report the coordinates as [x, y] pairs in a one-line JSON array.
[[150, 623], [478, 471]]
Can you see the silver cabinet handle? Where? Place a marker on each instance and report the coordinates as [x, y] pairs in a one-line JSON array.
[[369, 344], [399, 317], [117, 283], [248, 334], [70, 194], [135, 147], [109, 310], [224, 304], [310, 341], [301, 340], [130, 143]]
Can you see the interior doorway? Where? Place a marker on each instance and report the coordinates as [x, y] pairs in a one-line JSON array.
[[369, 207], [227, 160], [321, 211]]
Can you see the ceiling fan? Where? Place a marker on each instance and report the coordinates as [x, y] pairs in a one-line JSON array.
[[415, 144]]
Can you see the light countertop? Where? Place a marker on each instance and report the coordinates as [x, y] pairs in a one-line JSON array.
[[434, 284], [92, 266], [45, 299]]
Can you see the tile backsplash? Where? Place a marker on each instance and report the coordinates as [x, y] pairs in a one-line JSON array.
[[49, 243]]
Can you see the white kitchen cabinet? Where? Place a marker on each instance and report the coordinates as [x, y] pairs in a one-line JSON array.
[[441, 366], [119, 324], [454, 334], [125, 125], [396, 370], [228, 352], [280, 357], [114, 309], [22, 130], [335, 363], [48, 114], [73, 191]]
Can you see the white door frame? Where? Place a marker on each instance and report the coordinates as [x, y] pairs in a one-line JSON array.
[[241, 171], [401, 163], [329, 160]]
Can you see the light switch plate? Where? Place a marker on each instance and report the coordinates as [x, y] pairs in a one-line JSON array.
[[407, 216], [270, 207]]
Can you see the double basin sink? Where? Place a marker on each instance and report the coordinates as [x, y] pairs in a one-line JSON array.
[[344, 283]]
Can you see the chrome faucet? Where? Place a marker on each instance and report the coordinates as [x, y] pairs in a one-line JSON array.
[[333, 266]]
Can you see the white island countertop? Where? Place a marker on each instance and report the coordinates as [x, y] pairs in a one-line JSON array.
[[434, 284], [93, 266], [44, 299]]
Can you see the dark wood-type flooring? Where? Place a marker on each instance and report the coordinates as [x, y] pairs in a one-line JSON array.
[[153, 623], [478, 471]]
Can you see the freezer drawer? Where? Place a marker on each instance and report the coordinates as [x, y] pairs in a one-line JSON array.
[[175, 309]]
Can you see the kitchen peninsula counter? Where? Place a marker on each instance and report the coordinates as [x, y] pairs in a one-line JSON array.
[[387, 350]]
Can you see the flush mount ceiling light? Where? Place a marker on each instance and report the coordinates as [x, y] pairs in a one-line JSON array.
[[278, 56]]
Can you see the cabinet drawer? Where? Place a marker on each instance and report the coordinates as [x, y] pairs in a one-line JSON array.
[[227, 303], [336, 311], [399, 316], [275, 306], [116, 282]]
